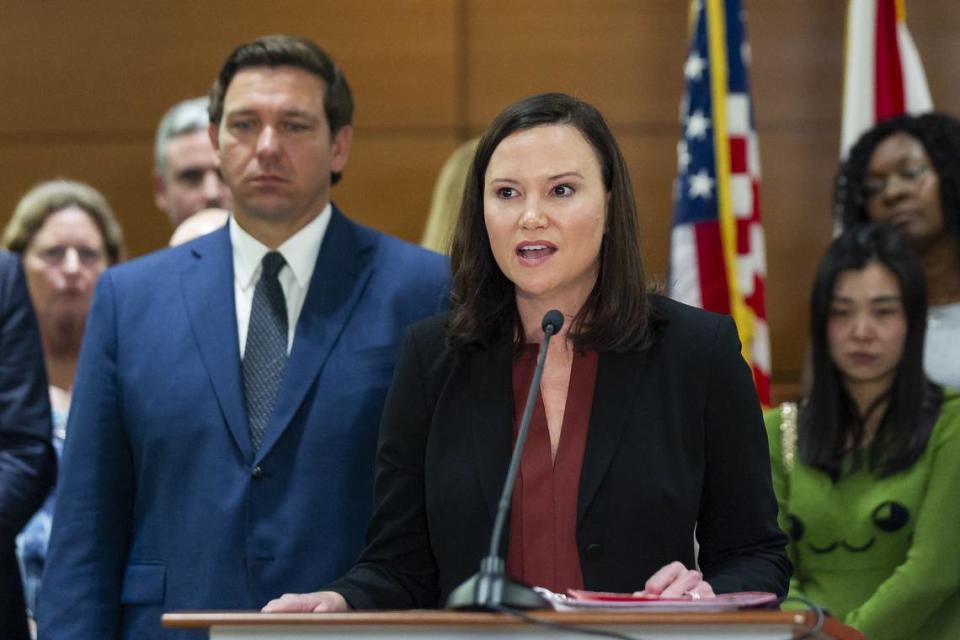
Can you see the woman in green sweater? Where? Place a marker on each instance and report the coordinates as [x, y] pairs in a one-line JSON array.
[[867, 468]]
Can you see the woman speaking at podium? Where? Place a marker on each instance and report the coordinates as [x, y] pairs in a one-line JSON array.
[[646, 429]]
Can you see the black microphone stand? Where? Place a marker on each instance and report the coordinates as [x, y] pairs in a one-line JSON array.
[[490, 588]]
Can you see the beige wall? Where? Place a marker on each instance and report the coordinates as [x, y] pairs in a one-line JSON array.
[[84, 84]]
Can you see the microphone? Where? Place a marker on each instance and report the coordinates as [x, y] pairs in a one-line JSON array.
[[490, 588]]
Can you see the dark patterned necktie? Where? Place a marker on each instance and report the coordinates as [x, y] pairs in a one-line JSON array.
[[265, 356]]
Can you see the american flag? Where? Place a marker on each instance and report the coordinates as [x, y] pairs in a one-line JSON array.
[[717, 258]]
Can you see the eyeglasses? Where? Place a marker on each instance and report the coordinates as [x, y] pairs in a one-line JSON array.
[[55, 255], [910, 176]]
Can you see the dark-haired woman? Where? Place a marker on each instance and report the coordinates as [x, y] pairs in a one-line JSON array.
[[647, 426], [866, 470], [906, 172]]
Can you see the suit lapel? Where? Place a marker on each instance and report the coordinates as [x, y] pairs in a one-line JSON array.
[[614, 398], [490, 394], [207, 285], [339, 278]]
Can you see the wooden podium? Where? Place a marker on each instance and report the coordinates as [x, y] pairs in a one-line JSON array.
[[444, 625]]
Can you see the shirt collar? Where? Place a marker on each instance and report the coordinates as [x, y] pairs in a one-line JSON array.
[[299, 250]]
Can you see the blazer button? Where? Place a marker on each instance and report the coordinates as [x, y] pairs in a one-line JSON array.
[[257, 472], [593, 551]]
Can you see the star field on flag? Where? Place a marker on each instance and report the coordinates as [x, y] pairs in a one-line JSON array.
[[717, 254]]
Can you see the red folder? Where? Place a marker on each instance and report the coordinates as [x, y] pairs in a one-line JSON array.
[[580, 599]]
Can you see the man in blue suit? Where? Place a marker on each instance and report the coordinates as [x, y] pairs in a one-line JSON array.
[[27, 462], [229, 390]]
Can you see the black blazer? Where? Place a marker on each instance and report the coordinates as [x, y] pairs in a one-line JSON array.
[[27, 459], [676, 444]]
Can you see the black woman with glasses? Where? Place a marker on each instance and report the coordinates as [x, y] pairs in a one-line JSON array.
[[906, 172]]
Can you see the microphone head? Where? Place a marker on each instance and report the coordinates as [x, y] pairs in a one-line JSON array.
[[552, 322]]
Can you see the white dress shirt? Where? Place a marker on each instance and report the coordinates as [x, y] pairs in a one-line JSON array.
[[300, 251]]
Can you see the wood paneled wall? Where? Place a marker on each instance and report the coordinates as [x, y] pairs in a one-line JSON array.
[[84, 85]]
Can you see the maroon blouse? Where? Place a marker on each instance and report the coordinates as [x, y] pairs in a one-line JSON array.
[[543, 518]]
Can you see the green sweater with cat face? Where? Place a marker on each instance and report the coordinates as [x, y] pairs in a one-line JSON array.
[[883, 555]]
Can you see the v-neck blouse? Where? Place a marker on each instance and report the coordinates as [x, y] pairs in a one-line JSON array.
[[543, 542]]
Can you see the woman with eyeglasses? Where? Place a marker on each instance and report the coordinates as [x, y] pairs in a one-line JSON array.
[[66, 235], [866, 468], [906, 172]]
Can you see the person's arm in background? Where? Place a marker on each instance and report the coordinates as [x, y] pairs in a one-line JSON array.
[[773, 419], [27, 459]]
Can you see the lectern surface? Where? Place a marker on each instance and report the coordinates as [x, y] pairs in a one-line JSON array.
[[443, 625]]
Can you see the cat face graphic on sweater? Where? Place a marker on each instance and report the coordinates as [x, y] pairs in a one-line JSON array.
[[888, 517]]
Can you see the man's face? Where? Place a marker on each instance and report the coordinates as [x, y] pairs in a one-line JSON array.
[[190, 180], [276, 150]]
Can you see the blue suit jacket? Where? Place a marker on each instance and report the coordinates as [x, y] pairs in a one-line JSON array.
[[163, 503], [27, 463]]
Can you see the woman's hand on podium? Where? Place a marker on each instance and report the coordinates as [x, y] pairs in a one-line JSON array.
[[676, 581], [316, 602]]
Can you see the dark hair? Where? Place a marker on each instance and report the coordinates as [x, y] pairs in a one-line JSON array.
[[940, 136], [288, 51], [616, 313], [830, 424]]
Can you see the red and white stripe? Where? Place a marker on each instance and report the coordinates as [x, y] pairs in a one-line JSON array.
[[696, 251], [883, 74], [751, 250]]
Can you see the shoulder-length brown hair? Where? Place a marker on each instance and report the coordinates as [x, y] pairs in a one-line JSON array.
[[616, 314], [49, 197]]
